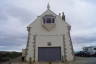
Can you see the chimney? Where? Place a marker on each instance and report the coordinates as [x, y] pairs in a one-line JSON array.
[[63, 16], [59, 14]]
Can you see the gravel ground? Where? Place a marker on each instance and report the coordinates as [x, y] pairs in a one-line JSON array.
[[78, 60], [85, 60]]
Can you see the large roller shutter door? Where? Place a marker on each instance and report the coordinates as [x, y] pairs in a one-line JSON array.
[[49, 54]]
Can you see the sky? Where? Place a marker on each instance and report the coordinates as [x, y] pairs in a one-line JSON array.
[[16, 15]]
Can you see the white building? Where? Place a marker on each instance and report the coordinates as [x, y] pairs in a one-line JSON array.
[[91, 49], [49, 38], [23, 52]]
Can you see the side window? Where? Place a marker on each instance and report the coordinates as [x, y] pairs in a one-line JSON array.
[[48, 19], [94, 48]]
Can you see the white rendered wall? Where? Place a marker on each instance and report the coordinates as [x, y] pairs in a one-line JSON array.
[[55, 36], [42, 41]]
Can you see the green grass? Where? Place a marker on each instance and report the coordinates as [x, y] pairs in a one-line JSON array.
[[6, 56]]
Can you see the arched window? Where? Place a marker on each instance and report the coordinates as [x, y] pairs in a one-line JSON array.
[[48, 19]]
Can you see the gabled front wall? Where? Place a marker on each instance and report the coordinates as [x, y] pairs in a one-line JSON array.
[[60, 28], [58, 36]]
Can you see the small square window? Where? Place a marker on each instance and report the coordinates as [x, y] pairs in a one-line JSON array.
[[48, 19]]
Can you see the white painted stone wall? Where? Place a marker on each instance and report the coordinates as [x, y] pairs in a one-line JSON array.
[[55, 36], [42, 41]]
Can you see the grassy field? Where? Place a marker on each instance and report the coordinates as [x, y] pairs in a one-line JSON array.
[[6, 56]]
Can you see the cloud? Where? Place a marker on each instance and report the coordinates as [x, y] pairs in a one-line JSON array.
[[13, 23], [15, 15], [93, 2], [22, 14]]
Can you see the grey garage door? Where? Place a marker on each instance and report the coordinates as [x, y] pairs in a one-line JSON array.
[[49, 54]]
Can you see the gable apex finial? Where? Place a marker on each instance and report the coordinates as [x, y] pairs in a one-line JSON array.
[[48, 6]]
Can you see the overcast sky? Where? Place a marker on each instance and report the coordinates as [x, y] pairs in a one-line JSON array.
[[15, 15]]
